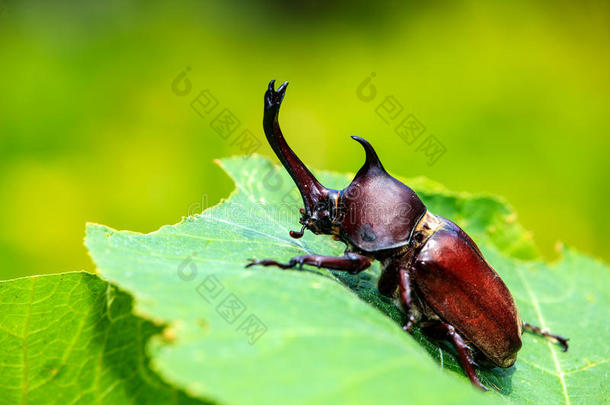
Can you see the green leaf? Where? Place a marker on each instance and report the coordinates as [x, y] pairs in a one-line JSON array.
[[330, 337], [71, 338], [327, 337]]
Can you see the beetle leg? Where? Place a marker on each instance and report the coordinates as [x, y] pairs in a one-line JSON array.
[[406, 299], [555, 338], [442, 330], [351, 262], [388, 282]]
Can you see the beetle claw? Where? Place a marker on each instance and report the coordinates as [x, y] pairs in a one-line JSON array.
[[253, 262], [563, 342], [268, 262]]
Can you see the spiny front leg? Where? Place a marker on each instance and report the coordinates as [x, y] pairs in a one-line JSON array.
[[351, 262], [555, 338]]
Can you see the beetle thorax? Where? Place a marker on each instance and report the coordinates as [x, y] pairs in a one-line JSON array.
[[378, 212]]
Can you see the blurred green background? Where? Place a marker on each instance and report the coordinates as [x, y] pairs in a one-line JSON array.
[[91, 130]]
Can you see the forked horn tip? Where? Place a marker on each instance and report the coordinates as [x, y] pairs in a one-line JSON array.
[[275, 97]]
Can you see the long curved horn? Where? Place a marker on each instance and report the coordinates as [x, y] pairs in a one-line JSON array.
[[311, 190]]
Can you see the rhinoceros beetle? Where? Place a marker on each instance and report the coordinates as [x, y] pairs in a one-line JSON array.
[[429, 264]]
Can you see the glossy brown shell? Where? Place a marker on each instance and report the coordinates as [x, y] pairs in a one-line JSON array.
[[464, 291]]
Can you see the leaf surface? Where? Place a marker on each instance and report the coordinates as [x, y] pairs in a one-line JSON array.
[[314, 336], [71, 338]]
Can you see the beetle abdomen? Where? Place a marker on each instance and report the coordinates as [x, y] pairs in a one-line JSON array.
[[463, 290]]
